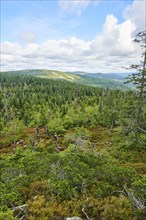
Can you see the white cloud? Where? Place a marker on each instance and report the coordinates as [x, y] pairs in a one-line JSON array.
[[108, 52], [136, 13], [73, 6]]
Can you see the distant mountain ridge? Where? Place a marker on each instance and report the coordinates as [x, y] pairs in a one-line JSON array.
[[103, 75], [109, 80]]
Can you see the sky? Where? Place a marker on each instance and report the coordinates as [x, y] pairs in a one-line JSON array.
[[70, 35]]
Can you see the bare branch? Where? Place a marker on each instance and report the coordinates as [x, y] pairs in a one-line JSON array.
[[83, 210], [136, 202], [119, 192], [142, 130]]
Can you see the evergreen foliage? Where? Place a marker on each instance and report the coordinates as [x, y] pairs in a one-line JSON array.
[[139, 80]]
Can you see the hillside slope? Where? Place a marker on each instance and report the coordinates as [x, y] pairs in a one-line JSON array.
[[97, 80]]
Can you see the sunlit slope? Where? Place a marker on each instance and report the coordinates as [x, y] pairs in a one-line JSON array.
[[53, 74]]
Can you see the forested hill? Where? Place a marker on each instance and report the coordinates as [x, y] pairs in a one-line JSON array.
[[70, 150], [112, 81]]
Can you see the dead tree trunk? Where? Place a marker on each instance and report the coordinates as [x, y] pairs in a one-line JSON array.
[[92, 147], [47, 132], [37, 134]]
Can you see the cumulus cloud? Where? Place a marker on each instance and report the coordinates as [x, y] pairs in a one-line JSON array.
[[109, 50], [76, 54]]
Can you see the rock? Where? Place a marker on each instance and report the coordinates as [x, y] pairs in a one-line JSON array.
[[74, 218]]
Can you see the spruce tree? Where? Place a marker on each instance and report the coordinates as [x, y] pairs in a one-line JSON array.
[[139, 80]]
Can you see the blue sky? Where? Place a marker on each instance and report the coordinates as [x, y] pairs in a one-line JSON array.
[[70, 30], [47, 20]]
